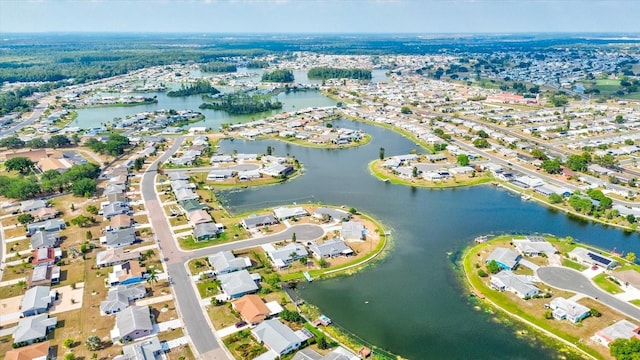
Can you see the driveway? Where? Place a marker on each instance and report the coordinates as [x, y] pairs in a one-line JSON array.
[[572, 280]]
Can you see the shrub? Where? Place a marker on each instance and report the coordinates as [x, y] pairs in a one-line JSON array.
[[482, 273]]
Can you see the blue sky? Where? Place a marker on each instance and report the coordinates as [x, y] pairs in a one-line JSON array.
[[320, 16]]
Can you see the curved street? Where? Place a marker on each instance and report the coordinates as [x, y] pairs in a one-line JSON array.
[[572, 280], [204, 339]]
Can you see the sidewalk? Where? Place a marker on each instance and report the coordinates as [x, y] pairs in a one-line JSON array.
[[154, 300]]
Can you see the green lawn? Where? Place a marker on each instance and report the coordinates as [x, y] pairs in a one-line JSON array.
[[603, 281], [572, 264]]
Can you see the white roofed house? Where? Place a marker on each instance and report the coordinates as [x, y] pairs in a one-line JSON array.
[[33, 328], [331, 214], [225, 262], [506, 259], [37, 300], [534, 246], [285, 255], [132, 323], [238, 283], [564, 309], [284, 213], [521, 285], [276, 170], [32, 205], [330, 248], [220, 174], [44, 240], [119, 298], [258, 221], [352, 230], [119, 238], [276, 336], [589, 257]]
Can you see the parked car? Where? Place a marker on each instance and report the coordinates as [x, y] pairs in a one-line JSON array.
[[240, 324]]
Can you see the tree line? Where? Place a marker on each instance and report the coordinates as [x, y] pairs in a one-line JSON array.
[[280, 75], [54, 142], [240, 103], [325, 72], [114, 146], [218, 67], [199, 87]]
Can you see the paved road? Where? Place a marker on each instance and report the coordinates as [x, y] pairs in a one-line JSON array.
[[35, 115], [572, 280]]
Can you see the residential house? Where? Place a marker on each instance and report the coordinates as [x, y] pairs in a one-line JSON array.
[[252, 309], [534, 246], [119, 238], [119, 298], [221, 159], [225, 262], [115, 256], [48, 225], [352, 231], [521, 285], [46, 256], [330, 248], [589, 257], [276, 336], [115, 189], [44, 276], [285, 255], [284, 213], [38, 351], [206, 231], [149, 349], [132, 323], [198, 217], [220, 174], [177, 175], [33, 329], [506, 259], [622, 329], [32, 205], [37, 300], [44, 240], [192, 205], [276, 170], [120, 221], [44, 213], [117, 198], [112, 209], [185, 194], [237, 284], [564, 309], [258, 221], [126, 273], [330, 214], [338, 353]]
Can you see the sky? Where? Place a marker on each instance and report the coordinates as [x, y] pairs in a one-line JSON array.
[[320, 16]]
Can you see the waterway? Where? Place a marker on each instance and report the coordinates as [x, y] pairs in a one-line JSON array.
[[411, 302], [292, 101]]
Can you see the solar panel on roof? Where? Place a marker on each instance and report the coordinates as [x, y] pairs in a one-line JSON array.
[[536, 239], [599, 258]]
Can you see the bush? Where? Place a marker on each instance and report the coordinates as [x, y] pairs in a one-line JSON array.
[[482, 273], [548, 315]]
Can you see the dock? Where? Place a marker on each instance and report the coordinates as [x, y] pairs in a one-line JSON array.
[[307, 276], [477, 294]]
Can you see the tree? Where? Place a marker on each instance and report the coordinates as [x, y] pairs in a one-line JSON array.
[[462, 160], [57, 141], [93, 343], [84, 187], [381, 153], [625, 349], [551, 166], [69, 356], [92, 209], [405, 110], [630, 257], [323, 263], [555, 198], [619, 119], [292, 316], [25, 218], [322, 343], [20, 164], [595, 313], [482, 273], [269, 150], [539, 154], [578, 162], [493, 267], [414, 172], [138, 163], [68, 343], [483, 134], [481, 143], [36, 143], [152, 278], [353, 211], [82, 220], [631, 219], [293, 237]]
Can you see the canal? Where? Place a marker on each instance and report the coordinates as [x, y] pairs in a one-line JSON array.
[[411, 302]]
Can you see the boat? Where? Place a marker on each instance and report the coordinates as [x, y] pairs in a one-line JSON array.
[[307, 276], [525, 197], [481, 239]]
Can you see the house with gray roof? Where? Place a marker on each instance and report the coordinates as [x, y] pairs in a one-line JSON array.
[[330, 248], [119, 238], [185, 194], [44, 276], [44, 240], [48, 225], [37, 300], [564, 309], [506, 259], [33, 328], [149, 349], [331, 214], [192, 205], [285, 255], [258, 221], [338, 353], [276, 170], [208, 230], [521, 285], [276, 336], [113, 209], [31, 205], [132, 323], [225, 262], [114, 189], [177, 175], [182, 184], [237, 284], [119, 298], [352, 230], [589, 257], [220, 174]]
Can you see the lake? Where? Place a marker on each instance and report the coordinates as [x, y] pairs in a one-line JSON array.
[[411, 302]]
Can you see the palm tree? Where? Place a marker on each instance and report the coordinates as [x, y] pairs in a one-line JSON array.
[[152, 278]]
